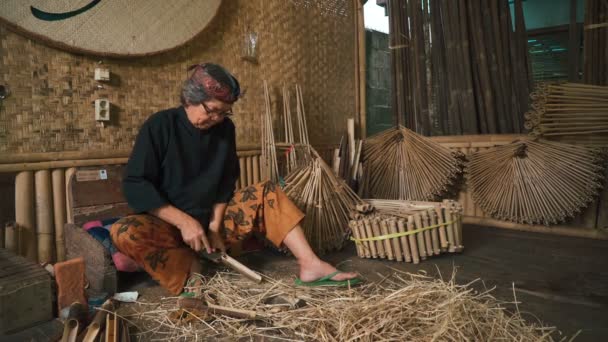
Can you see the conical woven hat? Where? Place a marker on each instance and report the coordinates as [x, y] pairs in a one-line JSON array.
[[110, 27]]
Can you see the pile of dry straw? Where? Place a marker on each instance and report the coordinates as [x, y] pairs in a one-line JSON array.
[[402, 307]]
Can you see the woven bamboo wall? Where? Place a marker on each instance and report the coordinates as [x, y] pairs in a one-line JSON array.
[[51, 107]]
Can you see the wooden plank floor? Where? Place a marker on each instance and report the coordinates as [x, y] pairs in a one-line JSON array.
[[562, 281]]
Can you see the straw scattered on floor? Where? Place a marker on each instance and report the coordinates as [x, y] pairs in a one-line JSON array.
[[401, 307]]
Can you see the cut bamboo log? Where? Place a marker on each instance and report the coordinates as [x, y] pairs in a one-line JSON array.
[[44, 216], [59, 211], [25, 215]]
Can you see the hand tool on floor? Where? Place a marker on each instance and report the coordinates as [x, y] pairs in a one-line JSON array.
[[232, 263]]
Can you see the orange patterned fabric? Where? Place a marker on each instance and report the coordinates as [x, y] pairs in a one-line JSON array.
[[158, 247]]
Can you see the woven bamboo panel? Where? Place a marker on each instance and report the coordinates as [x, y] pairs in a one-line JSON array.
[[51, 107]]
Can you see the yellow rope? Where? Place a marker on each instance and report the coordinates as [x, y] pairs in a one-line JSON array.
[[395, 235]]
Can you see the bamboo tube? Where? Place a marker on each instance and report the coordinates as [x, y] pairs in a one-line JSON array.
[[256, 169], [434, 232], [395, 242], [60, 164], [350, 124], [402, 228], [379, 244], [11, 241], [420, 237], [412, 239], [70, 330], [355, 232], [111, 327], [384, 229], [369, 233], [249, 165], [427, 233], [95, 329], [58, 176], [69, 173], [442, 230], [449, 227], [44, 216], [243, 176], [239, 267], [363, 233], [25, 216]]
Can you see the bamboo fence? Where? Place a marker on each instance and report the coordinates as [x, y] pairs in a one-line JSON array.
[[570, 112], [535, 181], [400, 164]]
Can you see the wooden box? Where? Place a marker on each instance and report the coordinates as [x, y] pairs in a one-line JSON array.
[[26, 293], [95, 194]]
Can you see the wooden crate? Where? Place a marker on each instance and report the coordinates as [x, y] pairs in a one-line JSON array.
[[95, 194], [26, 293]]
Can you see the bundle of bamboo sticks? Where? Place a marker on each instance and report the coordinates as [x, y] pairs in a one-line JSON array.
[[535, 181], [327, 202], [595, 42], [400, 164], [269, 165], [297, 151], [408, 231], [472, 78], [570, 112]]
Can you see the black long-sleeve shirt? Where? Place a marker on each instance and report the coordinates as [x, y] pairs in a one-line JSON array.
[[173, 162]]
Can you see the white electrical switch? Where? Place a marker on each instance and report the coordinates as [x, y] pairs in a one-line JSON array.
[[102, 110], [102, 74]]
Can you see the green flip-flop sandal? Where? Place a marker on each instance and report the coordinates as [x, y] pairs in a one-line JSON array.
[[326, 281]]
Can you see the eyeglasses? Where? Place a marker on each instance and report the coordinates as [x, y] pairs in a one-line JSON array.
[[215, 114]]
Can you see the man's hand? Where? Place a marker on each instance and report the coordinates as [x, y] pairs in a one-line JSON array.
[[216, 229], [194, 235]]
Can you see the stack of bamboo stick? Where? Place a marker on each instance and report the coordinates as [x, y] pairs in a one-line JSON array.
[[535, 181], [269, 165], [408, 231], [596, 42], [570, 112], [327, 202], [474, 77], [400, 164]]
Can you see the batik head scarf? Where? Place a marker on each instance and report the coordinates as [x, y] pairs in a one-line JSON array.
[[217, 82]]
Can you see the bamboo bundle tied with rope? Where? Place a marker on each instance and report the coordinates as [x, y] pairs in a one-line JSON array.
[[569, 112], [408, 231], [400, 164], [532, 182]]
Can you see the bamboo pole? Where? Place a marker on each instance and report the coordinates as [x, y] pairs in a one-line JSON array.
[[59, 212], [69, 173], [25, 215], [413, 240], [11, 242], [44, 216]]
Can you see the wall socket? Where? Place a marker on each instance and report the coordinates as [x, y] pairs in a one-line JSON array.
[[102, 110], [102, 74]]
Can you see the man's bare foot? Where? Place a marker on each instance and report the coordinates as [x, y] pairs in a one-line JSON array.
[[317, 269]]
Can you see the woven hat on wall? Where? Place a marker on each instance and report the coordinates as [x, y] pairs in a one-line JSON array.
[[110, 28]]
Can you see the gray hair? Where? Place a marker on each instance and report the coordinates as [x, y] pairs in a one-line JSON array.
[[193, 93]]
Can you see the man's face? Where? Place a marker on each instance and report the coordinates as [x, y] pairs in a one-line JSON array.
[[209, 113]]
